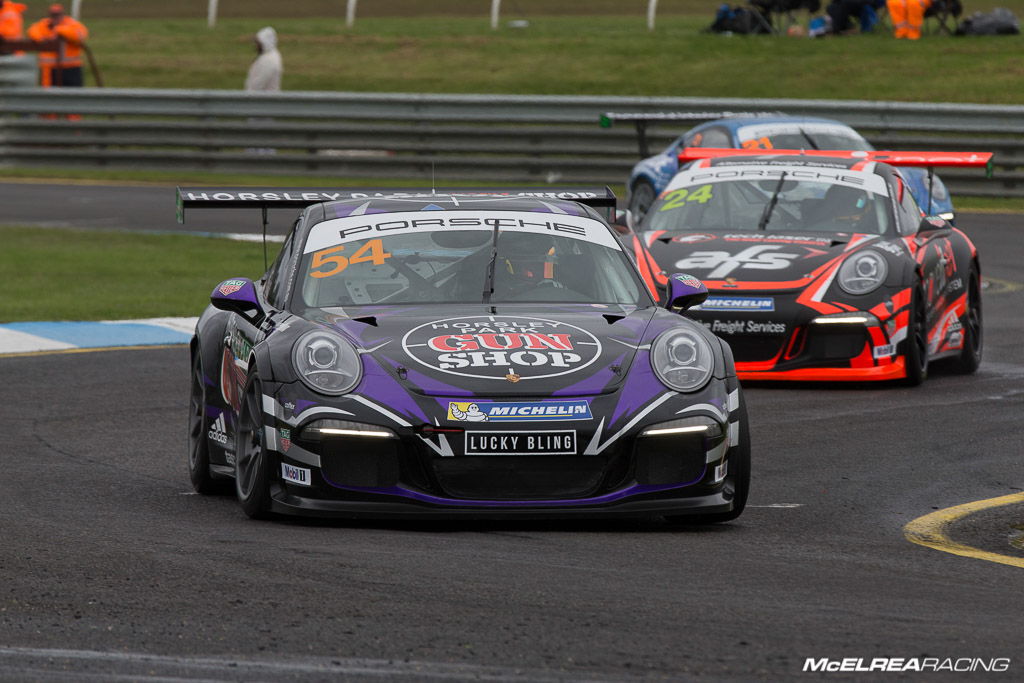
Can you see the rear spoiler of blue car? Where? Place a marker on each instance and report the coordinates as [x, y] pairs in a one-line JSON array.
[[264, 198], [641, 119]]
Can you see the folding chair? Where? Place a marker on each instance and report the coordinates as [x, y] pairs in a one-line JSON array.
[[944, 13]]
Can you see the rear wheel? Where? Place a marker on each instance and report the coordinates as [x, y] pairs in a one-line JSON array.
[[641, 199], [970, 356], [198, 425], [737, 480], [252, 460], [916, 357]]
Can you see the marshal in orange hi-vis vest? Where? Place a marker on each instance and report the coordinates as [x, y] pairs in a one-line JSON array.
[[70, 35]]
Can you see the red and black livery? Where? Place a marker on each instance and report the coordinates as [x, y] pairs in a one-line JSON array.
[[820, 265]]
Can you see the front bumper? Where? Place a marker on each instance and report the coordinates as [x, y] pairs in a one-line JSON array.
[[795, 342], [424, 471]]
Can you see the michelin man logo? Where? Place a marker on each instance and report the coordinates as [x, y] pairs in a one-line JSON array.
[[472, 413]]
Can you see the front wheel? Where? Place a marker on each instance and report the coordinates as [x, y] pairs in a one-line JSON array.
[[198, 425], [252, 460], [970, 356], [737, 480], [641, 199]]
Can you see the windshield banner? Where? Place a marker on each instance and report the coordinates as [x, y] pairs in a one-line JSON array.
[[869, 182], [351, 228]]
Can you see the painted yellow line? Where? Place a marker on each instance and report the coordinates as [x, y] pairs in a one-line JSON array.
[[56, 352], [930, 530]]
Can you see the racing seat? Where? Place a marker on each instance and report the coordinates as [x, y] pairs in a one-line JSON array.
[[842, 209]]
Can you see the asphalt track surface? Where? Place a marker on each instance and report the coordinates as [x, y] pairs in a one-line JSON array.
[[111, 569]]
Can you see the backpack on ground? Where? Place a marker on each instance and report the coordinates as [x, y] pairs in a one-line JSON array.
[[999, 21]]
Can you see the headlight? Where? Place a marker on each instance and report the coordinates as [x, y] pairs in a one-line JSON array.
[[319, 430], [326, 363], [863, 272], [705, 426], [682, 360]]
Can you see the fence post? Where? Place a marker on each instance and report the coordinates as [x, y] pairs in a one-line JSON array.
[[495, 12], [76, 9], [350, 14], [652, 8], [211, 14]]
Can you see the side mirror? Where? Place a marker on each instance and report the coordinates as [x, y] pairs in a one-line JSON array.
[[931, 224], [621, 223], [684, 291], [238, 295]]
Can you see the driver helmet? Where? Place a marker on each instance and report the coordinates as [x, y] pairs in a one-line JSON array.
[[527, 257], [846, 204]]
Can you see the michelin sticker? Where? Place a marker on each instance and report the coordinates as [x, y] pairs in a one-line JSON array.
[[534, 411], [496, 347], [737, 303]]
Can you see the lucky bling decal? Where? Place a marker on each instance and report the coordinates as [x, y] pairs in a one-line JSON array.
[[494, 347]]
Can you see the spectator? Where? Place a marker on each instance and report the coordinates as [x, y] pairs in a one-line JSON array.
[[62, 68], [907, 17], [848, 15], [265, 72], [12, 24]]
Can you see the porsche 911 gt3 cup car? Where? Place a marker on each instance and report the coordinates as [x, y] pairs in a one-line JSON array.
[[469, 354], [820, 267], [767, 132]]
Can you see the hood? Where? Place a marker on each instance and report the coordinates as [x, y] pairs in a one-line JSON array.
[[499, 351], [267, 38], [762, 259]]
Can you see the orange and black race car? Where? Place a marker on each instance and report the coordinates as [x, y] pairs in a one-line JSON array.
[[820, 265]]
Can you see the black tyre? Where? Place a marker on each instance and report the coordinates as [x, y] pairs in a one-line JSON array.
[[737, 480], [970, 357], [252, 460], [198, 425], [917, 340], [641, 199]]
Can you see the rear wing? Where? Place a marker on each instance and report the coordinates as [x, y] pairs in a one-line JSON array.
[[640, 120], [264, 198], [920, 159]]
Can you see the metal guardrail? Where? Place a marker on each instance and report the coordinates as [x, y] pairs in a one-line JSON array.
[[505, 138]]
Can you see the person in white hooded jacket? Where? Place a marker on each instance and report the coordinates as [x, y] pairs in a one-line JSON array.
[[265, 72]]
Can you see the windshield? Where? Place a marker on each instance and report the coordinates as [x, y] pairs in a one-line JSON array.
[[801, 136], [465, 257], [741, 198]]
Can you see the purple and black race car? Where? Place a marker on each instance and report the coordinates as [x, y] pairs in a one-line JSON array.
[[488, 354]]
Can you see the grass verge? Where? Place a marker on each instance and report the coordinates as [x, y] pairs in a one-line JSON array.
[[564, 55], [64, 274]]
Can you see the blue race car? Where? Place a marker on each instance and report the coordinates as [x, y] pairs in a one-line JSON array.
[[651, 176]]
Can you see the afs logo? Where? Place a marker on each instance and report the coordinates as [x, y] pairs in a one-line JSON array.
[[722, 263], [531, 411], [492, 347]]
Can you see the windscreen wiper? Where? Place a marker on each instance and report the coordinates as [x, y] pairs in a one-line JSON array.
[[489, 285], [810, 140], [767, 214]]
